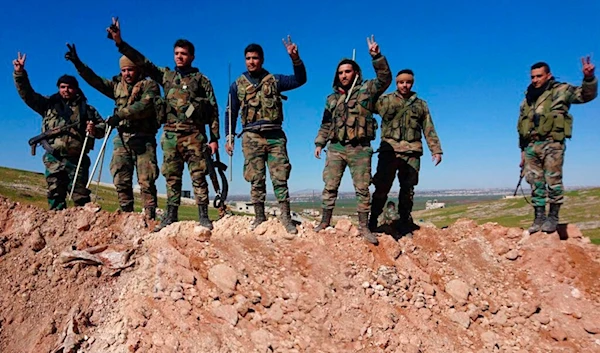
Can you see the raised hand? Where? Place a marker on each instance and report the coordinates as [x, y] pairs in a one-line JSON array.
[[19, 62], [291, 48], [114, 31], [71, 55], [373, 46], [588, 67]]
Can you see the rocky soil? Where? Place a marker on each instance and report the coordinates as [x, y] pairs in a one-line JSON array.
[[84, 280]]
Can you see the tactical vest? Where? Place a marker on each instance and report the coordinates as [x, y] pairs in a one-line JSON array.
[[260, 103], [68, 143], [405, 124], [351, 121], [185, 100], [536, 125], [124, 99]]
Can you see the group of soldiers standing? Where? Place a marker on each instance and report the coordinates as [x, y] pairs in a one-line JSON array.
[[347, 128]]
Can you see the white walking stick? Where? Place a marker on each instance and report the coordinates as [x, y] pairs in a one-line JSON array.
[[102, 152], [108, 131], [230, 137], [87, 135]]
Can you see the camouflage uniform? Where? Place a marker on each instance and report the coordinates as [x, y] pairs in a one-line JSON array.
[[404, 121], [544, 125], [349, 127], [388, 216], [257, 97], [190, 104], [61, 163], [135, 144]]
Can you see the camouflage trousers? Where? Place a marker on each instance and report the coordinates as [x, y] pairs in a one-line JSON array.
[[139, 152], [180, 148], [407, 167], [60, 173], [261, 150], [358, 159], [543, 171]]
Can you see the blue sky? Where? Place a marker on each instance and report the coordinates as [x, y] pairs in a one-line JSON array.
[[471, 60]]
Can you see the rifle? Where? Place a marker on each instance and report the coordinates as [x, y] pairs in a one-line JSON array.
[[216, 166], [42, 139], [520, 180]]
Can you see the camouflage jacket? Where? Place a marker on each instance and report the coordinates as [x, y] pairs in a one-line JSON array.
[[134, 104], [403, 122], [388, 216], [259, 99], [56, 112], [548, 117], [353, 121], [189, 95]]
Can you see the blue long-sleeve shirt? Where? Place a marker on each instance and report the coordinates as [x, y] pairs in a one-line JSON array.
[[284, 83]]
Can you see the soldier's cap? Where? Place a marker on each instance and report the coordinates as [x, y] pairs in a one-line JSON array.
[[125, 62], [69, 80]]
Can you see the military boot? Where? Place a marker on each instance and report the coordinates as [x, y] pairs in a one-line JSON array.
[[325, 220], [551, 222], [376, 209], [406, 225], [169, 218], [127, 208], [286, 218], [363, 228], [203, 217], [150, 212], [538, 221], [259, 215]]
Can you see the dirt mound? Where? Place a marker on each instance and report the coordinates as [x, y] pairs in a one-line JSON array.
[[91, 281]]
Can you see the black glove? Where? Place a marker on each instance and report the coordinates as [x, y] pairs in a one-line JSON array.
[[71, 55], [113, 121]]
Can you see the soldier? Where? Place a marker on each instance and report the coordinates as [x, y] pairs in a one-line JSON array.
[[190, 105], [544, 125], [348, 125], [257, 94], [405, 119], [64, 146], [389, 216], [136, 121]]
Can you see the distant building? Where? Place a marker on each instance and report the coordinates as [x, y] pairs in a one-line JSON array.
[[432, 205], [311, 212], [242, 206]]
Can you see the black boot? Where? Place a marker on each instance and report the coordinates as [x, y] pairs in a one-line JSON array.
[[363, 228], [325, 220], [169, 218], [538, 221], [405, 224], [376, 209], [259, 215], [203, 217], [551, 222], [286, 218], [150, 212], [127, 208]]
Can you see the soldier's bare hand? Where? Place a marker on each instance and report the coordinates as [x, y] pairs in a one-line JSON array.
[[71, 54], [115, 30], [436, 159], [588, 67], [291, 48], [318, 152], [90, 128], [19, 62], [214, 147], [522, 159], [229, 145], [373, 46]]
